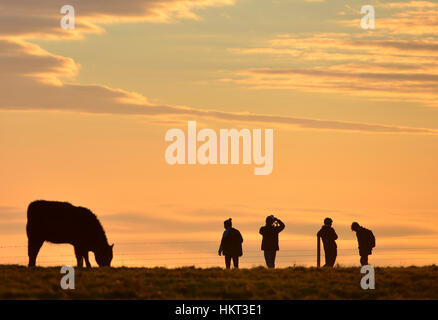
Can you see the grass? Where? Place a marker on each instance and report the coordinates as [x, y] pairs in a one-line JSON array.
[[19, 282]]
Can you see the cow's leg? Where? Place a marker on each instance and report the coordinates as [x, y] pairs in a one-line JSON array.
[[33, 247], [79, 258], [87, 261]]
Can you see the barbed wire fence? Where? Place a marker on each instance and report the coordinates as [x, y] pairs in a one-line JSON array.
[[204, 254]]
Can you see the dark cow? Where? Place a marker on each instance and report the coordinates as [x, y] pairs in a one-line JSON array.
[[61, 222]]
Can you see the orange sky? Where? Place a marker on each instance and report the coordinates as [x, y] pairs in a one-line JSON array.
[[84, 112]]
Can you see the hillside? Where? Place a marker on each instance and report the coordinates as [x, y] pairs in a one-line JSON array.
[[19, 282]]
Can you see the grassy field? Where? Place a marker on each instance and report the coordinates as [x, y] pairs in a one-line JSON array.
[[18, 282]]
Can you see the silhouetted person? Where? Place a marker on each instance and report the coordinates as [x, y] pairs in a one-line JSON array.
[[329, 236], [270, 239], [366, 241], [231, 245]]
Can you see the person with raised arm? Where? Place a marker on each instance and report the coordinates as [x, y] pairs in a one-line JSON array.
[[270, 239]]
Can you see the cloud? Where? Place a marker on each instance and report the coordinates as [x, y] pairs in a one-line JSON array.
[[299, 222], [41, 19], [33, 79], [384, 69], [12, 213], [399, 230], [414, 18], [410, 4], [106, 101], [398, 61], [249, 221], [12, 220], [201, 220]]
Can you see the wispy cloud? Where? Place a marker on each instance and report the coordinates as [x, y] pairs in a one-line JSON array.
[[415, 18], [40, 75], [40, 19], [194, 220], [33, 79], [398, 61], [376, 66]]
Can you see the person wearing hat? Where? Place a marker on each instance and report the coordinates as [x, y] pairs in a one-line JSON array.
[[366, 241], [270, 239], [329, 237], [231, 245]]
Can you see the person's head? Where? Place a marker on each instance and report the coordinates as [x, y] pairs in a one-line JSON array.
[[355, 226], [270, 220], [228, 224], [328, 222]]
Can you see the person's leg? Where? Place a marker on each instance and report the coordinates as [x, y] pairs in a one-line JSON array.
[[266, 253], [327, 257], [236, 262], [270, 258], [330, 257], [274, 254], [335, 254], [228, 262], [364, 259]]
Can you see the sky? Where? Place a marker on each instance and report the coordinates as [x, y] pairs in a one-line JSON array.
[[84, 113]]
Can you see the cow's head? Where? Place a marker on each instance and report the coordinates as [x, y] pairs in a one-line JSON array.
[[104, 256]]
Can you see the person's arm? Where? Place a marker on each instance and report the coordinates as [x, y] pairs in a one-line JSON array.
[[359, 240], [335, 236], [281, 225], [319, 234], [240, 236], [261, 230], [222, 243]]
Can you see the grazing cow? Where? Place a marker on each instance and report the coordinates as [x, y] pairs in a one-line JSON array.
[[61, 222]]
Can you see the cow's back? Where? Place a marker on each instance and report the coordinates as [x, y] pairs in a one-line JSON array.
[[58, 222]]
